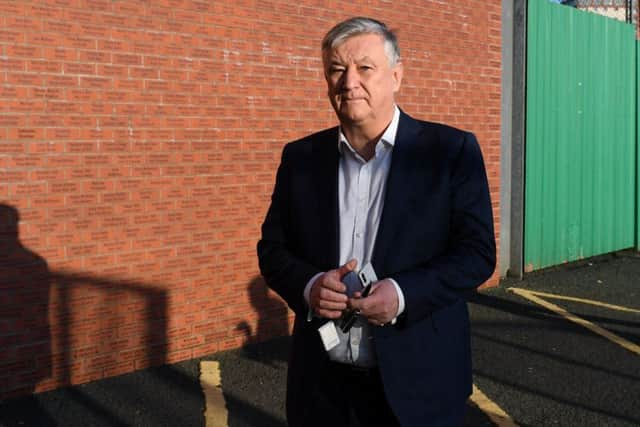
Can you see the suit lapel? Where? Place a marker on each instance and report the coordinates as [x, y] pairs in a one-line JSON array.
[[398, 185], [325, 175]]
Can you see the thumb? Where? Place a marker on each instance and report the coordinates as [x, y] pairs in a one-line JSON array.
[[347, 268]]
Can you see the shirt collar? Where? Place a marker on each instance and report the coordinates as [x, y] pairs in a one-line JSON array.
[[388, 137]]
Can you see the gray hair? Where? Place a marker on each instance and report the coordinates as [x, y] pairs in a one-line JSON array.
[[362, 25]]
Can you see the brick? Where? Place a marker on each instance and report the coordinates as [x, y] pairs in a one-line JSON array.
[[97, 186], [60, 27], [63, 187], [51, 93], [114, 172], [20, 78], [80, 173], [79, 68], [110, 70], [112, 45], [92, 56], [8, 147], [9, 36], [127, 59], [27, 23], [64, 81], [156, 85], [113, 20], [114, 197], [82, 224], [11, 8], [27, 189], [47, 201], [81, 199], [128, 84], [45, 11], [95, 82]]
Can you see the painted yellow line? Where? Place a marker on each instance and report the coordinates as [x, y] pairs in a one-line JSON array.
[[628, 345], [215, 410], [495, 413], [584, 301]]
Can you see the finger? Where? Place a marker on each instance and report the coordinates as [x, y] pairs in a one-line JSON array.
[[375, 286], [358, 296], [332, 305], [330, 284], [347, 268], [358, 304], [329, 295]]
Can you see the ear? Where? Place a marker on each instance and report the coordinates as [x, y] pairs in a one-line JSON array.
[[396, 73]]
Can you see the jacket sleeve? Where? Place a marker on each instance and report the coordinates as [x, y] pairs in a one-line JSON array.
[[284, 272], [469, 257]]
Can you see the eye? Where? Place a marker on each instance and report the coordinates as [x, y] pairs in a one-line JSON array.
[[336, 70], [365, 68]]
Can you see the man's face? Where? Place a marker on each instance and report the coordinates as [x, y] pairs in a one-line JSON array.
[[361, 83]]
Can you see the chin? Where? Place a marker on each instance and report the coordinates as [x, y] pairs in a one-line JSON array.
[[353, 116]]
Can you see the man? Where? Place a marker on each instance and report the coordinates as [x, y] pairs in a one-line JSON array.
[[411, 198]]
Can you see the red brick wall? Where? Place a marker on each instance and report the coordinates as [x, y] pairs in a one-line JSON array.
[[138, 145]]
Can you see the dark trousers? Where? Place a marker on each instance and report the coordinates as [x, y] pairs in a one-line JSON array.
[[348, 397]]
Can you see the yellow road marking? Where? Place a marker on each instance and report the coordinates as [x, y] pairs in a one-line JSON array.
[[495, 413], [584, 301], [215, 411], [531, 296]]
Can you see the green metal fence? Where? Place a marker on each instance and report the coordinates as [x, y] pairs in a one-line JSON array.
[[580, 153]]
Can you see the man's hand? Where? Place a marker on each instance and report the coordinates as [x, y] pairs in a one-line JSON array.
[[381, 306], [328, 297]]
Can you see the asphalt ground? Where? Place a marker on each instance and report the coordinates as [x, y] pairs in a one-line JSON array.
[[539, 367]]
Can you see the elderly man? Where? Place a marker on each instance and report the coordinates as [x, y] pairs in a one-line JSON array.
[[410, 201]]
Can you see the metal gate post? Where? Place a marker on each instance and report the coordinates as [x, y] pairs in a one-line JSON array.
[[514, 55]]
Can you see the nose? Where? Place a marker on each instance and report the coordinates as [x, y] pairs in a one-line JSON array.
[[351, 78]]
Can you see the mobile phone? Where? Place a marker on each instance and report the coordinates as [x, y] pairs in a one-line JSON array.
[[367, 277]]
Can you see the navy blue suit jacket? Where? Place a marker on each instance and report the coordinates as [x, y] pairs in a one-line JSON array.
[[435, 239]]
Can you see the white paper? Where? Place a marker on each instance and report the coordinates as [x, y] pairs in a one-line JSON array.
[[329, 335]]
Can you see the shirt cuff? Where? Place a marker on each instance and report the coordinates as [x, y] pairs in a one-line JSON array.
[[401, 303], [307, 293]]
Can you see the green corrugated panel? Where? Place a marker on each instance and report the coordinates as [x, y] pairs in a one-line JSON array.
[[580, 135]]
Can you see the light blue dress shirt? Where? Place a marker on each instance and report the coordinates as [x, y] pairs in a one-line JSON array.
[[361, 191]]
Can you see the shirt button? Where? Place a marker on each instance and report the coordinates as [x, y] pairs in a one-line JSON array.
[[358, 235]]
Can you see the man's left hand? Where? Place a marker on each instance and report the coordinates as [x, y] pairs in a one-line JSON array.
[[381, 306]]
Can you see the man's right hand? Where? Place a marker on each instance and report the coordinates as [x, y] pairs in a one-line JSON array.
[[328, 296]]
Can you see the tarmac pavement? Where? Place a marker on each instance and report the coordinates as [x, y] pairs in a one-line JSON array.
[[545, 370], [536, 364]]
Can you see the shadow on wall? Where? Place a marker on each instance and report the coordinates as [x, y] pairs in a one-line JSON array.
[[61, 328], [272, 322], [25, 338]]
